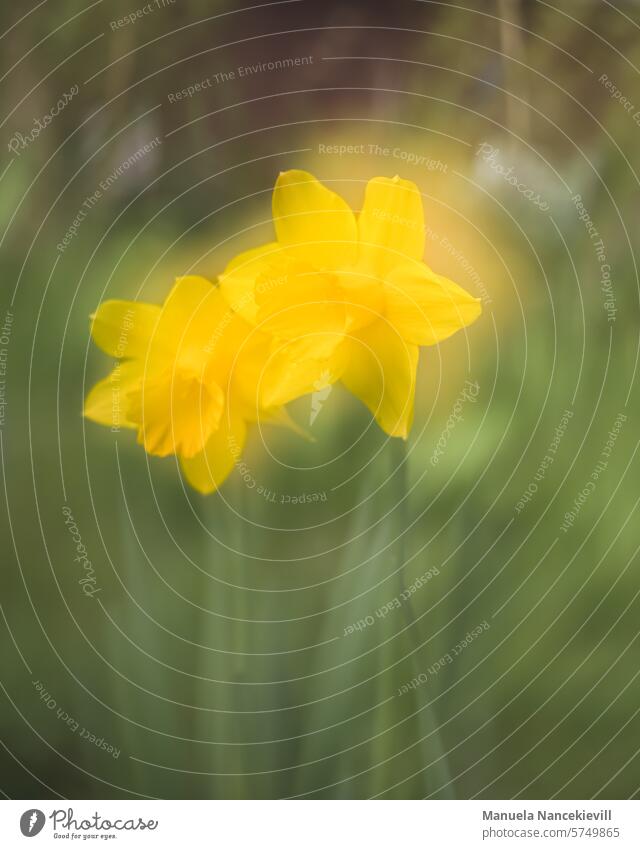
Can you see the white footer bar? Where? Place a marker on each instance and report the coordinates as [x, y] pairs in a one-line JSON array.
[[320, 824]]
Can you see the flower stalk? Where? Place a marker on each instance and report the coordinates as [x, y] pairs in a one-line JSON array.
[[436, 768]]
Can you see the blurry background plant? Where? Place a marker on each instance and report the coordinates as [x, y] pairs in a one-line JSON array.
[[296, 678]]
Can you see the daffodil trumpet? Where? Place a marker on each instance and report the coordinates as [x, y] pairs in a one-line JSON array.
[[185, 378]]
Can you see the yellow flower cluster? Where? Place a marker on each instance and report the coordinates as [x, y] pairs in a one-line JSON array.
[[337, 296]]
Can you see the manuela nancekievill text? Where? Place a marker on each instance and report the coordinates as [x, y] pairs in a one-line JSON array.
[[603, 815]]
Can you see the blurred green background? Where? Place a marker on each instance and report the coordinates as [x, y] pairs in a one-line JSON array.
[[220, 658]]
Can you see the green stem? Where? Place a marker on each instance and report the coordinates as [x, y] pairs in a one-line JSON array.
[[430, 739], [239, 611], [228, 632]]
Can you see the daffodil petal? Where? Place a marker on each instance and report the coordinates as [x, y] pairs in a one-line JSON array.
[[175, 414], [208, 470], [123, 328], [381, 372], [106, 403], [363, 296], [391, 225], [193, 316], [305, 301], [242, 275], [300, 367], [425, 307], [313, 222]]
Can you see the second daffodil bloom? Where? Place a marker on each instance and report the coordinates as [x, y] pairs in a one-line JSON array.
[[346, 297], [185, 380]]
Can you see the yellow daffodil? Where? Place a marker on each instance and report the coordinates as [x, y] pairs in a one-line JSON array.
[[346, 297], [185, 378]]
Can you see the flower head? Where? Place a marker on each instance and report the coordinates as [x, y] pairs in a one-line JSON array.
[[185, 378], [346, 296]]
